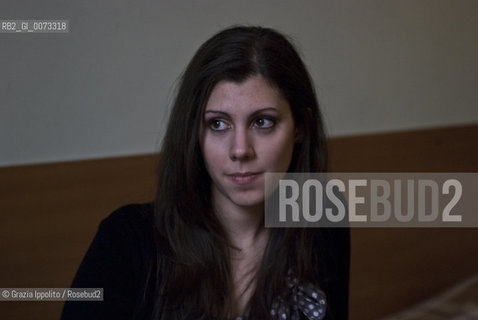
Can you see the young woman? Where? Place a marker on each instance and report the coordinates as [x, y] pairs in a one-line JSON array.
[[245, 106]]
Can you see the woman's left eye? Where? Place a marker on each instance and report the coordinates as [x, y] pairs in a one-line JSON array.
[[264, 123]]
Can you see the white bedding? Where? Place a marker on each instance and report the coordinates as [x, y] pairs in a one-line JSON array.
[[457, 303]]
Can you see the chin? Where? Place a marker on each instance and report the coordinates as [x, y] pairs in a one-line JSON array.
[[249, 201]]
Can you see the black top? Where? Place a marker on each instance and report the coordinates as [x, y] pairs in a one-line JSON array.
[[123, 253]]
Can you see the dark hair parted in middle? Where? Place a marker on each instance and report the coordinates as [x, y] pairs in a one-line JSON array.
[[193, 263]]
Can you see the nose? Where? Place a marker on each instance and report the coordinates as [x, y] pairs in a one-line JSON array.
[[242, 146]]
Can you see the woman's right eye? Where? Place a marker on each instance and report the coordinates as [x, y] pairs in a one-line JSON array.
[[218, 125]]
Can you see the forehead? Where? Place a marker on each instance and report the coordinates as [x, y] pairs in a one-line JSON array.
[[254, 92]]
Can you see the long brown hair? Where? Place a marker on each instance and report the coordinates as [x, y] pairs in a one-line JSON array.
[[193, 267]]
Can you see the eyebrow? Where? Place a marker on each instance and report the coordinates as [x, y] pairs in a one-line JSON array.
[[250, 116]]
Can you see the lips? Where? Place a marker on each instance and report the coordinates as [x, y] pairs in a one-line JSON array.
[[243, 177]]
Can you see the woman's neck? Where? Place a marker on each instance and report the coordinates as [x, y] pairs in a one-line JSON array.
[[248, 239], [243, 225]]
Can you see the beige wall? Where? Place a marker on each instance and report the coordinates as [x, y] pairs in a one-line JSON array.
[[103, 89]]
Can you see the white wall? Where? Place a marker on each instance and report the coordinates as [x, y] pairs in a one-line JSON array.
[[104, 88]]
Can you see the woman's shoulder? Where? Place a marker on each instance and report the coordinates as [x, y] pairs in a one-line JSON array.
[[127, 232], [118, 260], [132, 225], [129, 220], [134, 214]]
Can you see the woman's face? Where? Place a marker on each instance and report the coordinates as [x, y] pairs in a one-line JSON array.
[[247, 130]]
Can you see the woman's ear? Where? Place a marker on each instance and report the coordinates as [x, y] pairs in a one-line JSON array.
[[299, 134], [299, 127]]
